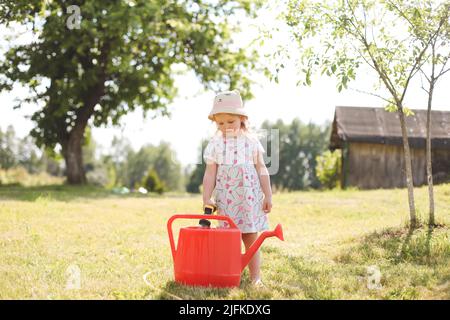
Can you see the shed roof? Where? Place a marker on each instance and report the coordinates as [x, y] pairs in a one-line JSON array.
[[376, 125]]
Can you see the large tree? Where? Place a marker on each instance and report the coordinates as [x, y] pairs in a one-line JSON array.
[[337, 37], [94, 61]]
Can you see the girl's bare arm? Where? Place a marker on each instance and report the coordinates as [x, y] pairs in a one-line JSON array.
[[264, 176], [209, 182]]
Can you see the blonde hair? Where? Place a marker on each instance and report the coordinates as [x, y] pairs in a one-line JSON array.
[[245, 125]]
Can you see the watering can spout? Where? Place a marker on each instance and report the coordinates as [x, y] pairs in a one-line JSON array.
[[247, 256]]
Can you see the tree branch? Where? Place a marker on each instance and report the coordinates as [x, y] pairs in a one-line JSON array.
[[421, 81], [402, 14], [94, 93], [379, 70], [442, 71], [418, 60], [372, 94], [425, 75]]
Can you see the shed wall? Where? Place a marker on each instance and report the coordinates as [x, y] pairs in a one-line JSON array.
[[382, 166]]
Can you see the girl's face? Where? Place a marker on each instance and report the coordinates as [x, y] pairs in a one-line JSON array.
[[228, 124]]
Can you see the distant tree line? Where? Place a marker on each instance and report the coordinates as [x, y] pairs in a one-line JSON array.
[[23, 152], [300, 144], [153, 167]]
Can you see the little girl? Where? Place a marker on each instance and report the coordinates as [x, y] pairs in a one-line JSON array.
[[235, 169]]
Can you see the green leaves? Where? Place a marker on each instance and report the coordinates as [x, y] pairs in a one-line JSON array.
[[328, 168], [121, 56], [391, 107], [308, 77], [334, 38]]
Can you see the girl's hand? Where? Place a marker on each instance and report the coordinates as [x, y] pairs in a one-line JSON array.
[[267, 204], [208, 202]]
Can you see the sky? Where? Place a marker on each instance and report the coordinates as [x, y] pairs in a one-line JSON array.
[[188, 124]]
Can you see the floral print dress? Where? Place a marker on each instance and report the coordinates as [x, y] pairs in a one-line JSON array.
[[238, 192]]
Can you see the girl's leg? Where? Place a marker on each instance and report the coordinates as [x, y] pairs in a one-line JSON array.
[[255, 262]]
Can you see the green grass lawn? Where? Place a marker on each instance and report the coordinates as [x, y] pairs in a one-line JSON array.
[[331, 238]]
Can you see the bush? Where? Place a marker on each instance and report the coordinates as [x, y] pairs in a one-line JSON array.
[[20, 176], [328, 168], [98, 177], [153, 183], [195, 179]]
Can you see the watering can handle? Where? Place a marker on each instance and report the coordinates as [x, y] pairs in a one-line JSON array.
[[193, 216], [207, 209]]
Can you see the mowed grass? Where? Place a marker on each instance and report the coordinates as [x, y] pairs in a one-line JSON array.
[[334, 240]]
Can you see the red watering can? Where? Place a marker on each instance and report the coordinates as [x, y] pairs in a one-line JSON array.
[[212, 256]]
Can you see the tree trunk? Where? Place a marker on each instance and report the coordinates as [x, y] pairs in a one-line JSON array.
[[431, 221], [73, 157], [72, 151], [408, 168]]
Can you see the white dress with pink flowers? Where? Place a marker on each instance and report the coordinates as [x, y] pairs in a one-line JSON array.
[[238, 192]]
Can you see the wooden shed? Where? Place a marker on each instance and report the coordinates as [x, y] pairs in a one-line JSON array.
[[372, 147]]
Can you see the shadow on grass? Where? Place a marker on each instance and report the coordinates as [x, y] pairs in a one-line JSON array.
[[67, 193], [428, 246], [173, 290], [414, 262], [406, 243], [285, 277]]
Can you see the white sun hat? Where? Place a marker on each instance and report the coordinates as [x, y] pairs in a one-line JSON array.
[[228, 102]]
